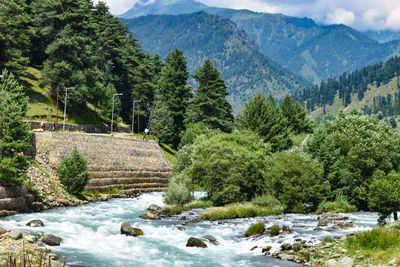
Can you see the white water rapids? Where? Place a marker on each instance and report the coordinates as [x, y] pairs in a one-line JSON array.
[[91, 235]]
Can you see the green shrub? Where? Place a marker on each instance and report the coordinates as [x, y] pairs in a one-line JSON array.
[[173, 210], [255, 229], [233, 211], [274, 230], [296, 181], [199, 204], [297, 247], [229, 167], [339, 205], [178, 192], [328, 240], [267, 200], [376, 239], [73, 172]]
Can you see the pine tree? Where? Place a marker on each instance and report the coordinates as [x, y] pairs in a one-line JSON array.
[[209, 104], [296, 116], [14, 134], [265, 118], [172, 99], [15, 35]]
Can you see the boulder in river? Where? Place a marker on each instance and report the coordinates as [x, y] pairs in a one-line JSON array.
[[195, 242], [35, 223], [2, 231], [154, 207], [211, 239], [127, 229], [266, 249], [149, 216], [286, 246], [51, 240], [181, 228]]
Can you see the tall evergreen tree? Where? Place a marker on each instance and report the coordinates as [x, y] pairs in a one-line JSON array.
[[296, 116], [209, 104], [172, 98], [15, 35], [14, 134], [265, 117]]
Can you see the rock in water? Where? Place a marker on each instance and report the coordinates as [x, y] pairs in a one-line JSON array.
[[51, 240], [35, 223], [181, 228], [154, 207], [265, 249], [137, 231], [2, 231], [149, 216], [211, 239], [195, 242], [15, 234], [126, 229]]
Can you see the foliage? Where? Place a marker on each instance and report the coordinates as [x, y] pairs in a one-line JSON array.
[[296, 181], [274, 230], [209, 105], [73, 172], [178, 191], [267, 200], [193, 130], [14, 134], [376, 239], [366, 146], [384, 195], [172, 99], [339, 205], [199, 204], [229, 167], [255, 229], [233, 211], [296, 116], [265, 118]]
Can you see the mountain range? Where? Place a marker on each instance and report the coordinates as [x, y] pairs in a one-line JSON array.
[[201, 35], [314, 51]]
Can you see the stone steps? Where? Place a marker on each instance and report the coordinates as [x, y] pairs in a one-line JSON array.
[[139, 186], [126, 181], [137, 190], [129, 174]]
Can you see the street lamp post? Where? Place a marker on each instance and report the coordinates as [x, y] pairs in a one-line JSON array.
[[112, 114], [65, 104], [133, 112]]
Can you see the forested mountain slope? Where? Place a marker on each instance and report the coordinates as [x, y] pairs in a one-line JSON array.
[[200, 35], [314, 51]]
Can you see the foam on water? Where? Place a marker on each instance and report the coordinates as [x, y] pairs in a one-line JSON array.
[[91, 235]]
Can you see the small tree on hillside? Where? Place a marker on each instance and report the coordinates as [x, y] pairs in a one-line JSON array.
[[73, 172], [14, 134]]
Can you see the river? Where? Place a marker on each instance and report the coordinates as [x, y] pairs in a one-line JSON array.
[[91, 235]]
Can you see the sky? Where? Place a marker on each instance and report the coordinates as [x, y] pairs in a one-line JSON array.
[[360, 14]]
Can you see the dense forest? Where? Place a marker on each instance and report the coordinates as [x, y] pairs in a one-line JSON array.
[[357, 82]]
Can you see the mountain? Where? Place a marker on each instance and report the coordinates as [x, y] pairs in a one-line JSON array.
[[383, 36], [313, 51], [201, 35]]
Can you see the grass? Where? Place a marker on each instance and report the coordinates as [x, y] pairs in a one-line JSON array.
[[42, 106], [340, 205], [177, 209], [274, 230], [255, 229], [379, 245], [169, 153], [238, 210]]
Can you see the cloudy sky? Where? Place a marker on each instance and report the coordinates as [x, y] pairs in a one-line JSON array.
[[360, 14]]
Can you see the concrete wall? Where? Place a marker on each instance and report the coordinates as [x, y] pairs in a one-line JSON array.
[[113, 162]]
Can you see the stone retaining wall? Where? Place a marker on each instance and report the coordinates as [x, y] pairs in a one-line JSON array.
[[88, 128], [135, 166]]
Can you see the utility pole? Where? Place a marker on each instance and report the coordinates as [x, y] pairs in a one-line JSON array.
[[138, 121], [112, 114], [133, 112], [57, 111], [65, 104]]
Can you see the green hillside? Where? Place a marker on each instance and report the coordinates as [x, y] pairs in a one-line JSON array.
[[200, 35]]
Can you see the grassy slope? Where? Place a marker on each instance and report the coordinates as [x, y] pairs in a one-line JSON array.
[[369, 95], [41, 106]]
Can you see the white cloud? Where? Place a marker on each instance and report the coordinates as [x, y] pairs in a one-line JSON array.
[[340, 16], [360, 14]]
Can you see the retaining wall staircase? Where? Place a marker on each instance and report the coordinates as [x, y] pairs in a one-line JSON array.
[[113, 162]]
